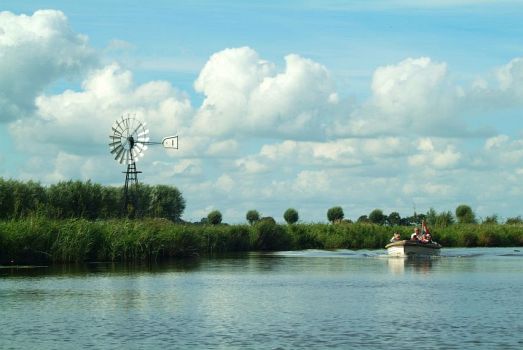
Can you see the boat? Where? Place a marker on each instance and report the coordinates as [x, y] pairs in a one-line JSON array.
[[411, 248]]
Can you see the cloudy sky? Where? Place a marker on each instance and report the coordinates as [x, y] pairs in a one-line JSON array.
[[304, 104]]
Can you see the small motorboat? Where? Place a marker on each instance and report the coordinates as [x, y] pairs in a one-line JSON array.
[[406, 248]]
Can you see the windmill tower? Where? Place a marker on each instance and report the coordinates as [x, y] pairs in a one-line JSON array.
[[129, 140]]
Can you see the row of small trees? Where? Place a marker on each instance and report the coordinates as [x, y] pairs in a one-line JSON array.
[[77, 199], [463, 215]]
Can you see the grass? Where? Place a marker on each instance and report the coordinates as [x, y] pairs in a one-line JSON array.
[[36, 239]]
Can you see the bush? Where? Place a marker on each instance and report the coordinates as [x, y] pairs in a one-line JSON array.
[[270, 236]]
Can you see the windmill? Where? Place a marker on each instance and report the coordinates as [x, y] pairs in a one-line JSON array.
[[129, 140]]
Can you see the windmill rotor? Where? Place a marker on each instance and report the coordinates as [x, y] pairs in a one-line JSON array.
[[129, 139]]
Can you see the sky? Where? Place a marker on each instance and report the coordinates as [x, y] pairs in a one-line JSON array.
[[392, 104]]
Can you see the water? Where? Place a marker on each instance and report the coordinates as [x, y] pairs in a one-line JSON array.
[[465, 299]]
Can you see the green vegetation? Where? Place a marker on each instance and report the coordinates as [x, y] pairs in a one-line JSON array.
[[36, 239], [291, 216], [76, 199], [252, 216], [377, 217], [335, 214], [465, 215], [214, 217], [80, 221]]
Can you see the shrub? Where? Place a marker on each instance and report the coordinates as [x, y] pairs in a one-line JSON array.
[[270, 236]]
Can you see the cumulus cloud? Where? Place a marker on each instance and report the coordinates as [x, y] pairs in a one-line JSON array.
[[246, 94], [336, 153], [414, 95], [35, 51], [429, 155], [79, 121]]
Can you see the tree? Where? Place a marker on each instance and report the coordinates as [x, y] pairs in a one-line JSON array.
[[465, 214], [214, 217], [291, 216], [252, 216], [363, 219], [431, 217], [335, 214], [493, 219], [514, 221], [166, 202], [377, 217], [444, 219], [394, 219]]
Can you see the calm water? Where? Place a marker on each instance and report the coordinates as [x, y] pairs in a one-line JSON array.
[[468, 298]]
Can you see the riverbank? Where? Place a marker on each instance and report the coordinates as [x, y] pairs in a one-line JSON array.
[[36, 240]]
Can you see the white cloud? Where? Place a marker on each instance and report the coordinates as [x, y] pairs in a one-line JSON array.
[[430, 156], [34, 52], [415, 95], [245, 95], [251, 166], [79, 122], [496, 142], [336, 153], [223, 148], [312, 182], [225, 183], [510, 77]]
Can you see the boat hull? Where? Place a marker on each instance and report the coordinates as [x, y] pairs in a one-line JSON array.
[[412, 248]]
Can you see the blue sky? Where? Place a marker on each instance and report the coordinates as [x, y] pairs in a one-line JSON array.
[[305, 104]]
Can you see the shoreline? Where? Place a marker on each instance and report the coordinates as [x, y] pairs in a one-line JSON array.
[[40, 240]]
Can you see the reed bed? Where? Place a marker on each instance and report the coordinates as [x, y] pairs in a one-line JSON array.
[[40, 239]]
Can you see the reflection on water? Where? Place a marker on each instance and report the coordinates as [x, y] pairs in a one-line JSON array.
[[286, 300], [399, 265]]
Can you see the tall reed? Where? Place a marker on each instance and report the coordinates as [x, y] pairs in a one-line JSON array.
[[39, 239]]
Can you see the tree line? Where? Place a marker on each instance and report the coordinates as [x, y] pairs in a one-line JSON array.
[[463, 215], [87, 200]]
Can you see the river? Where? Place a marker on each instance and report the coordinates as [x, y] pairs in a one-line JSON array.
[[465, 299]]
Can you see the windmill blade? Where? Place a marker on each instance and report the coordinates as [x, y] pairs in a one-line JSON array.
[[140, 125], [117, 132], [122, 157], [120, 125], [143, 133], [127, 126], [131, 124], [116, 149], [113, 144], [118, 152], [139, 148], [137, 153]]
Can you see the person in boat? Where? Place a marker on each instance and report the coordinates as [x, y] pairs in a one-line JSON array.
[[426, 238], [395, 238], [415, 236]]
